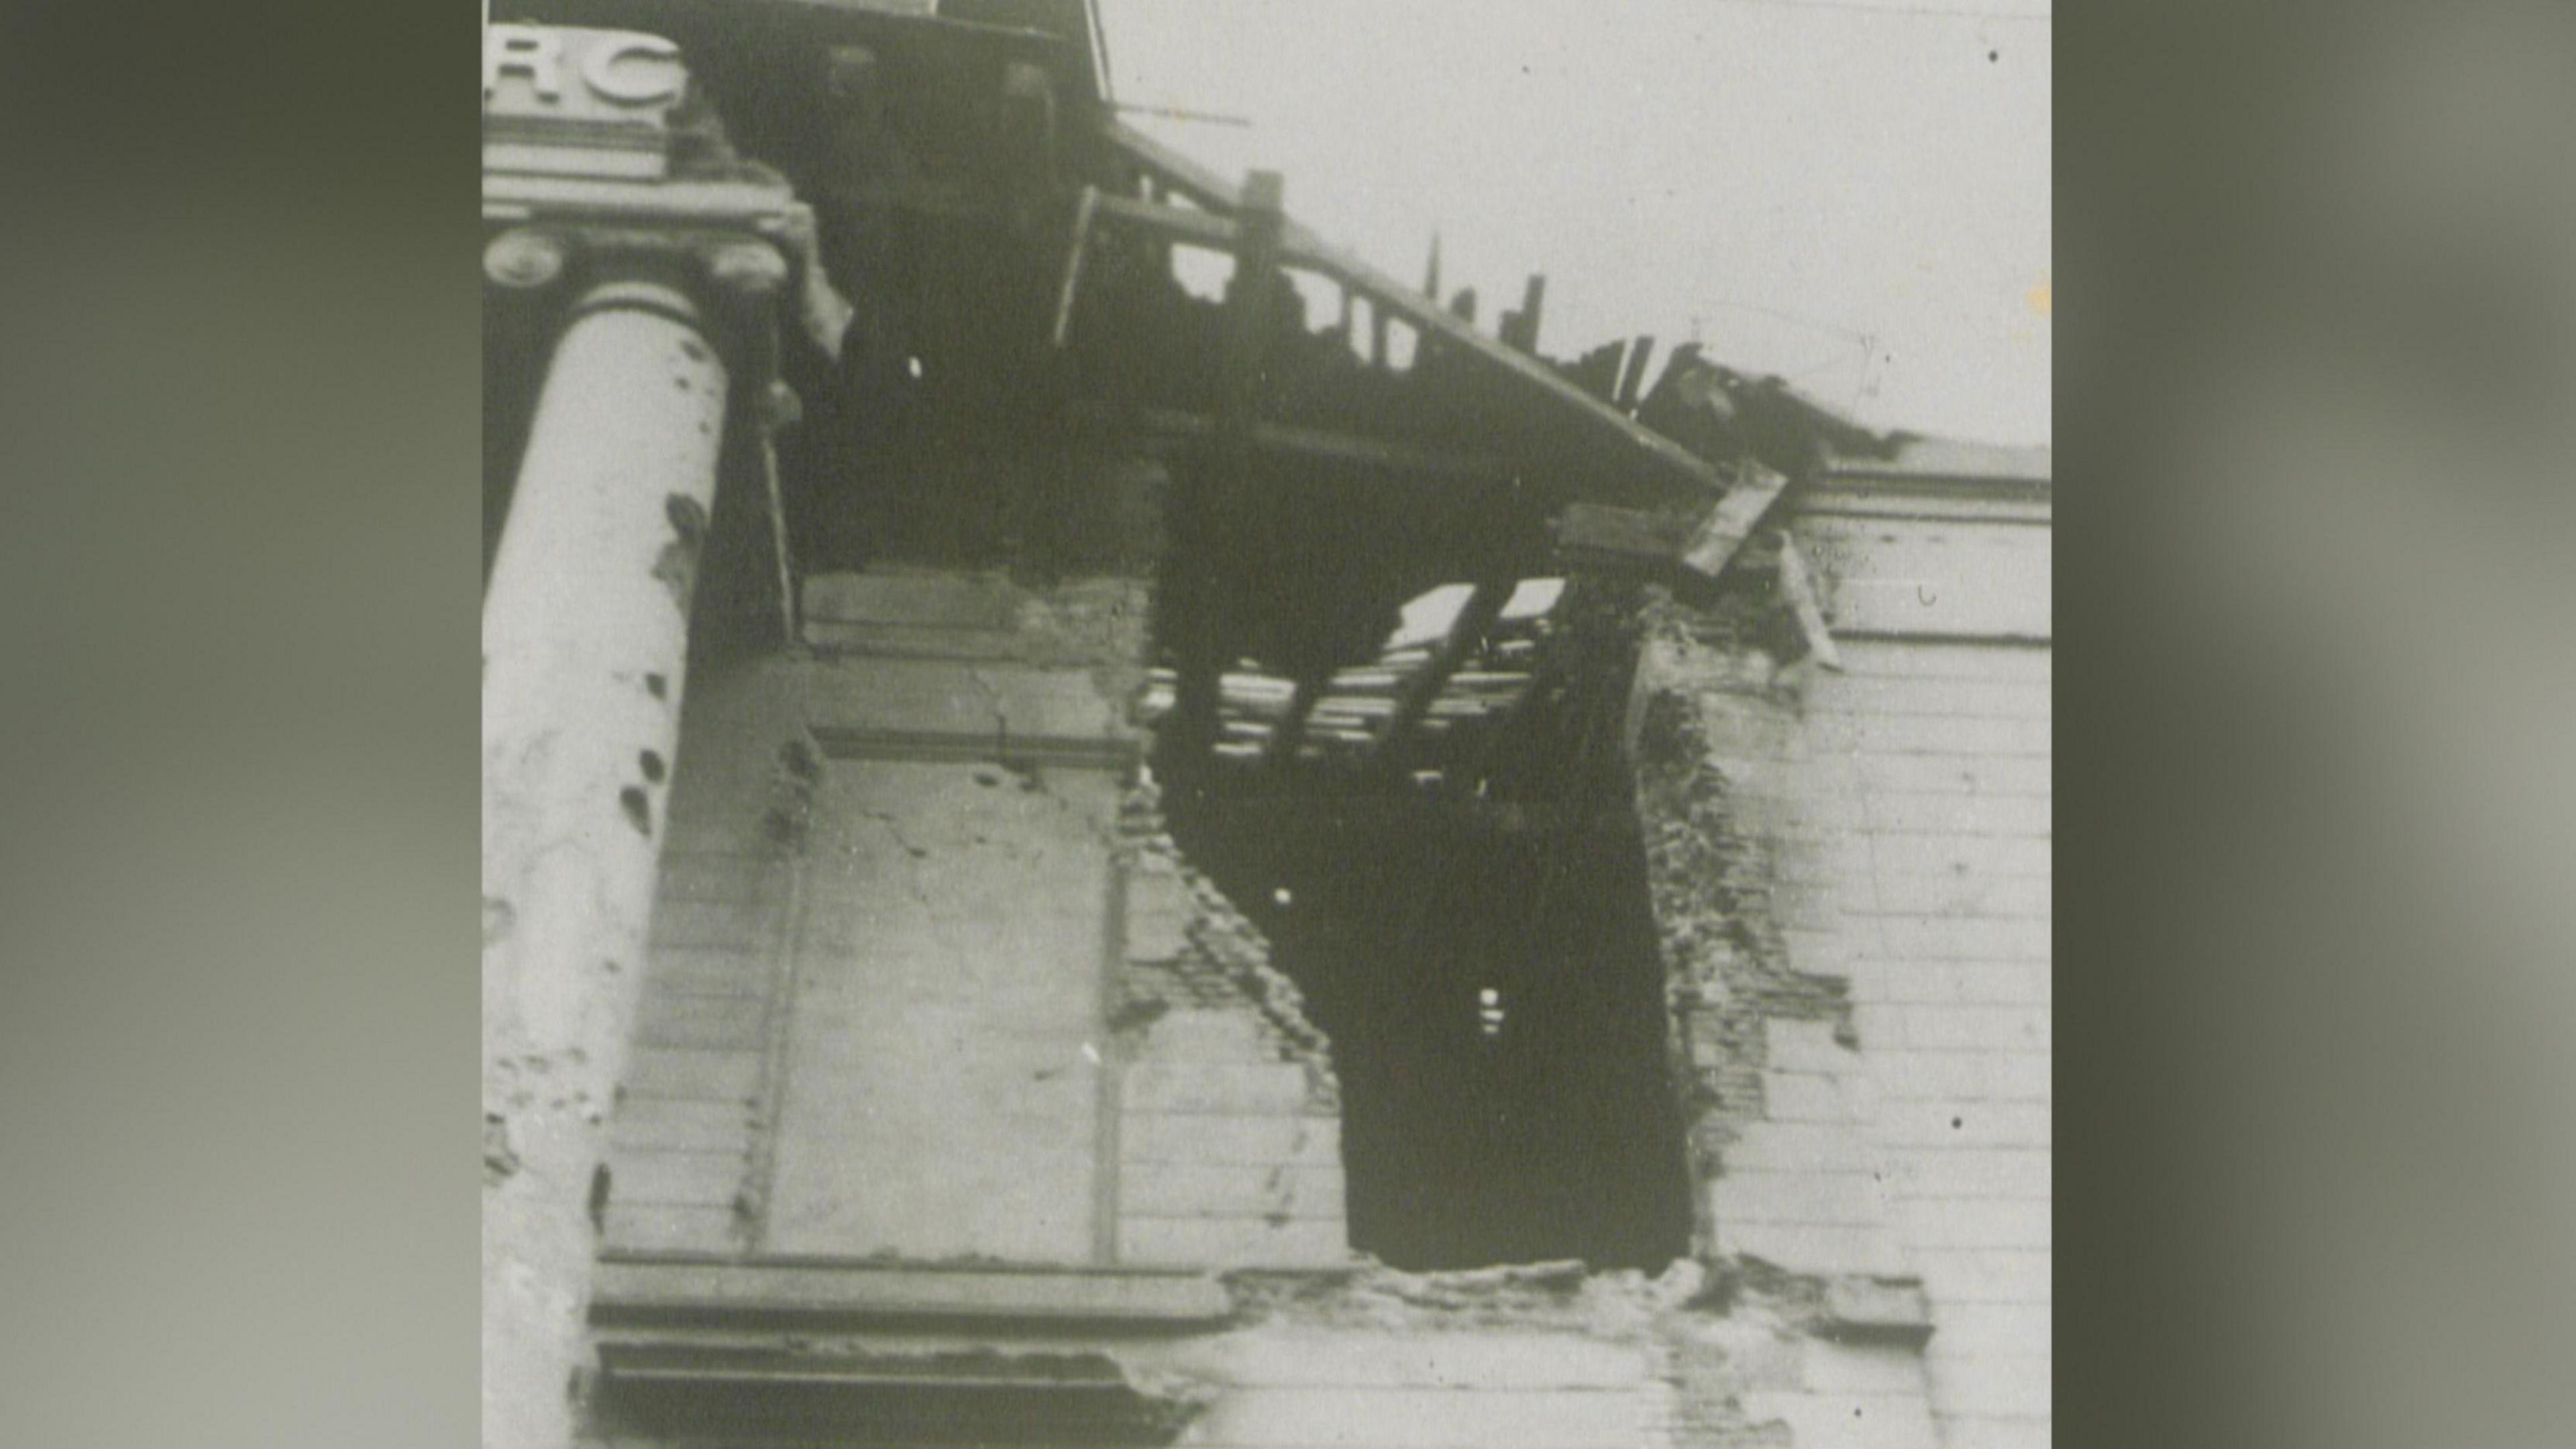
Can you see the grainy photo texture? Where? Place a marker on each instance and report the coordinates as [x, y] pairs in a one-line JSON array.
[[1261, 724]]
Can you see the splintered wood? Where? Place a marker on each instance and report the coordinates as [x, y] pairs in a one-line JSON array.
[[1352, 713]]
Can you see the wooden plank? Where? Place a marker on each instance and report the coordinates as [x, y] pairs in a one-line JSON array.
[[1205, 644], [1629, 442], [1657, 455], [1077, 258], [1597, 371], [1736, 516], [779, 409], [636, 1286], [1172, 223], [1520, 329], [1632, 378], [1172, 170], [1325, 446], [1258, 232], [1627, 533], [1482, 608], [1291, 734]]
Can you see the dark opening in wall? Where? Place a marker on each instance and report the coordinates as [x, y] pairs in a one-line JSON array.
[[1495, 1003], [1466, 912]]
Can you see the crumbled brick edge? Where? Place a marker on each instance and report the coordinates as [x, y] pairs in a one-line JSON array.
[[1227, 963], [1727, 965]]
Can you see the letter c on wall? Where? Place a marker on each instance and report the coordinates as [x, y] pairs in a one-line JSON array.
[[635, 85]]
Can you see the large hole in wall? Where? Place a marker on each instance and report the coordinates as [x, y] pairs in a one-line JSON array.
[[1496, 1009], [1479, 945]]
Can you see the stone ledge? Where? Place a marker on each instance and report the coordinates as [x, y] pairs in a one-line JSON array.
[[638, 1287], [1861, 1309]]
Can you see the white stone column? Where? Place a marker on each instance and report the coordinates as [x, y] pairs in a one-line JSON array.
[[585, 642]]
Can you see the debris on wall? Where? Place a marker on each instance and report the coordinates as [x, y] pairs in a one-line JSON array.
[[788, 822], [1712, 864], [1189, 947]]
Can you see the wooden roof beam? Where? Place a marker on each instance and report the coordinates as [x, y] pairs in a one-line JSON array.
[[1221, 198]]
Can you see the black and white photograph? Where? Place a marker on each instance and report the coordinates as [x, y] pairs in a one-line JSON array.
[[1256, 724], [1287, 724]]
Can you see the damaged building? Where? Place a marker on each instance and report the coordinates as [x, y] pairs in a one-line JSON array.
[[1077, 858]]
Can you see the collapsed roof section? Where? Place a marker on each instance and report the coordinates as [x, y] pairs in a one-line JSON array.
[[1006, 255], [966, 149]]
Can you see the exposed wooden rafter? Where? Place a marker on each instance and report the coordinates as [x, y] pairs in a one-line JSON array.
[[1703, 517], [1220, 199]]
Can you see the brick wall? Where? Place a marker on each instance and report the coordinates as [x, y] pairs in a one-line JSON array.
[[1520, 1359], [1857, 918], [1230, 1128], [920, 995], [1942, 927], [1852, 874], [686, 1140]]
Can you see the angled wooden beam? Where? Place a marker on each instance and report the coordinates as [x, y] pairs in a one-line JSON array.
[[1632, 379], [1719, 533], [1520, 329], [1661, 540], [1475, 619], [1322, 445], [1733, 520], [1257, 236], [1174, 171], [1231, 448], [1595, 531], [1627, 441], [1291, 733], [1203, 228], [1076, 259]]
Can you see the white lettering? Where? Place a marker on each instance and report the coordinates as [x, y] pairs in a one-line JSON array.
[[635, 85], [519, 50]]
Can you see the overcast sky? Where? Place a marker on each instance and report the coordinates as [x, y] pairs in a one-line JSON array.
[[1790, 179]]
